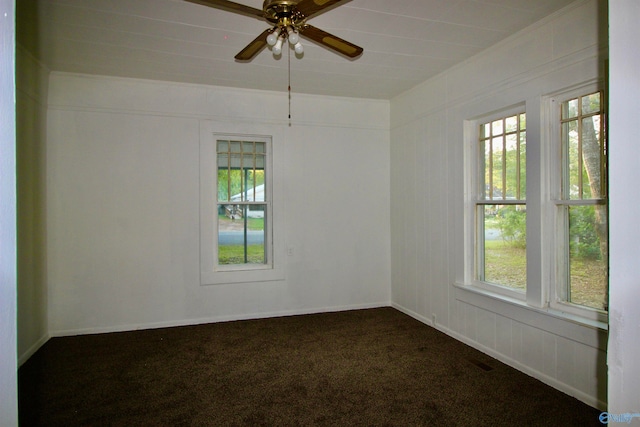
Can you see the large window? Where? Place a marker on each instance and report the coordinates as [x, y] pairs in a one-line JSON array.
[[537, 227], [501, 210], [582, 203]]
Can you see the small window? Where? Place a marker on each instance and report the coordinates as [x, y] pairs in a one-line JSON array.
[[501, 210], [238, 191], [241, 202]]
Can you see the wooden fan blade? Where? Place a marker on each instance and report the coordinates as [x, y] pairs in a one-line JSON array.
[[254, 47], [330, 41], [231, 7], [311, 8]]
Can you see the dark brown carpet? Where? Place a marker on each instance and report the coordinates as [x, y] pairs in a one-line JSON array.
[[364, 367]]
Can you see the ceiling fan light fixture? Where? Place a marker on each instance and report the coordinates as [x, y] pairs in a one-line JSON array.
[[288, 19], [272, 38], [292, 35], [277, 48]]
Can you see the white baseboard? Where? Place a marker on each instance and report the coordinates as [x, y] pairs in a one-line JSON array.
[[32, 350], [590, 400], [213, 319]]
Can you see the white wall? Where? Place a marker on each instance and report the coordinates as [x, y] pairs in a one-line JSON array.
[[123, 203], [427, 198], [8, 271], [624, 347], [31, 108]]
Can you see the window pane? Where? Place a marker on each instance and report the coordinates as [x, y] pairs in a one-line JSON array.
[[498, 187], [241, 234], [236, 160], [485, 131], [503, 246], [236, 146], [588, 256], [573, 172], [591, 156], [512, 162], [223, 185], [570, 109], [485, 168], [497, 127], [591, 103], [511, 124], [523, 166], [236, 184]]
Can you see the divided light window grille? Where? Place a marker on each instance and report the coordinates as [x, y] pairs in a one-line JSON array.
[[582, 206], [562, 265], [242, 202], [501, 205]]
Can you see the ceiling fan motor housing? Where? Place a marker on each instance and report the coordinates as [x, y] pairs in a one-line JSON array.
[[283, 12]]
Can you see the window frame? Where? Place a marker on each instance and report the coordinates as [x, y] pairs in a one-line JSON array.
[[266, 203], [210, 272], [474, 226], [543, 173], [558, 222]]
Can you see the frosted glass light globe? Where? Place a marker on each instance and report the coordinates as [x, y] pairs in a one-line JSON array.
[[293, 37], [273, 37], [277, 49]]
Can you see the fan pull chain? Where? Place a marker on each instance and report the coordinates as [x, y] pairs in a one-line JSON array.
[[289, 60]]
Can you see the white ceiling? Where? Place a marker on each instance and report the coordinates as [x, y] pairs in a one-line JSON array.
[[405, 41]]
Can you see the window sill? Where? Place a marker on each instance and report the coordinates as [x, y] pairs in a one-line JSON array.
[[241, 276], [570, 326]]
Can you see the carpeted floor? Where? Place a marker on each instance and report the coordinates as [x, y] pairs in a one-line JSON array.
[[364, 367]]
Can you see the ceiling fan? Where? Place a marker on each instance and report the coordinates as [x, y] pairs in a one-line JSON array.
[[289, 20]]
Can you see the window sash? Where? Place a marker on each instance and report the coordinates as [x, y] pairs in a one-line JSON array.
[[576, 191], [578, 116], [500, 140], [241, 164], [501, 183]]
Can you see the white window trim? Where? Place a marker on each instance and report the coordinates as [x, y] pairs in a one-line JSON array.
[[543, 174], [472, 196], [210, 133], [553, 220]]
